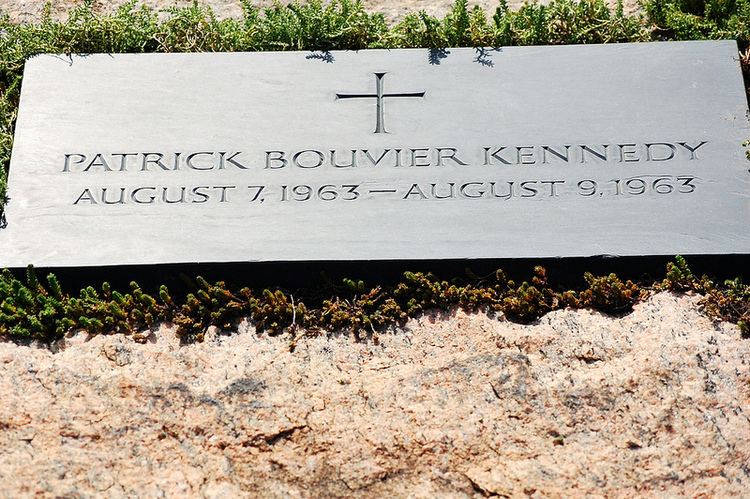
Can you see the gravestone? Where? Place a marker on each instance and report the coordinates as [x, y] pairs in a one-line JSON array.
[[632, 149]]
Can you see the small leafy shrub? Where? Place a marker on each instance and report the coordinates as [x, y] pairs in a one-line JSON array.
[[680, 278], [28, 310], [566, 22], [609, 294], [274, 312], [699, 19], [528, 301], [367, 312], [32, 311], [420, 292], [732, 303], [209, 305]]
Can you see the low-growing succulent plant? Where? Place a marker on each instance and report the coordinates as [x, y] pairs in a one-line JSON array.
[[30, 309]]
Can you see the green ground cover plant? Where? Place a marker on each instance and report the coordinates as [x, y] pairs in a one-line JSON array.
[[41, 310], [32, 309]]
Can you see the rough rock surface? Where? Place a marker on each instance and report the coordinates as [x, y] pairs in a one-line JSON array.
[[652, 404], [29, 10]]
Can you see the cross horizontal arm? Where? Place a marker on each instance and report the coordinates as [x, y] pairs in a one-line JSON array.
[[355, 96], [415, 94]]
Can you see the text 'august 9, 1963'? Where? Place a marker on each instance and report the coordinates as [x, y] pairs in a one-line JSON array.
[[491, 173]]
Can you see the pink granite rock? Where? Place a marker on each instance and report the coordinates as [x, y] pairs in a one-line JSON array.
[[652, 404]]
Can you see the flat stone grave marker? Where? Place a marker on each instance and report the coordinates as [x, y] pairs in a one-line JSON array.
[[518, 152]]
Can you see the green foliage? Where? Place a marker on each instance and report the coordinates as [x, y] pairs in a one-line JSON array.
[[732, 303], [30, 309], [566, 22], [275, 311], [365, 311], [699, 19], [680, 278], [529, 301], [610, 294], [559, 22], [209, 305]]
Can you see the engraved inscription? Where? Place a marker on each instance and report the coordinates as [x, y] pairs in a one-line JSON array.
[[486, 173], [384, 155], [497, 189]]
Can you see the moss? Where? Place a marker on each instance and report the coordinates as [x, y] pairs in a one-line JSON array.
[[610, 294], [30, 309]]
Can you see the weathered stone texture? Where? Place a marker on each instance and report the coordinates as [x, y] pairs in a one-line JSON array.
[[652, 404]]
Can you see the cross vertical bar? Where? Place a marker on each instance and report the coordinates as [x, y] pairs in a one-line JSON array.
[[380, 121]]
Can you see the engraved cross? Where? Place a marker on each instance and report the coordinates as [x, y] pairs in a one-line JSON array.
[[380, 97]]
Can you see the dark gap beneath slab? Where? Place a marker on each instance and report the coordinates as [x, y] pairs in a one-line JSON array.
[[312, 277]]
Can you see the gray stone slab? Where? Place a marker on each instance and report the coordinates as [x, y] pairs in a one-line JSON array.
[[632, 149]]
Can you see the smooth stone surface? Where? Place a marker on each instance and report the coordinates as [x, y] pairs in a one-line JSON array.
[[632, 149]]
